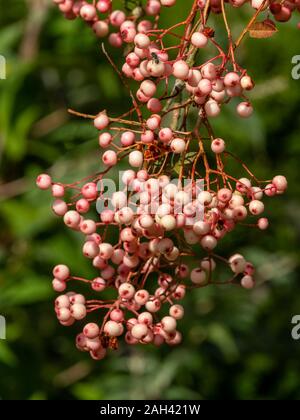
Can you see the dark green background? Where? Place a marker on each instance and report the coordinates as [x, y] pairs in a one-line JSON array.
[[237, 344]]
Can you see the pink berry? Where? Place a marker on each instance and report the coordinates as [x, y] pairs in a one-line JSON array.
[[101, 121], [113, 328], [247, 282], [169, 324], [110, 158], [280, 182], [44, 181], [91, 330], [199, 40], [244, 109], [218, 146], [181, 70], [61, 272]]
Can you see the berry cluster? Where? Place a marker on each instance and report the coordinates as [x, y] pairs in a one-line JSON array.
[[176, 201]]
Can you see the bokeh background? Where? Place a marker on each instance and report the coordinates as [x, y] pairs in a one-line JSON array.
[[237, 344]]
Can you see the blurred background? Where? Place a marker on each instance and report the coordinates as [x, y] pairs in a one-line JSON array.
[[237, 344]]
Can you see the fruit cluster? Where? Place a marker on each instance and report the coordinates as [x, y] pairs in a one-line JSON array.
[[176, 200]]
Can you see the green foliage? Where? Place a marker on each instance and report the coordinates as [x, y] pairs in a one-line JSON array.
[[237, 344]]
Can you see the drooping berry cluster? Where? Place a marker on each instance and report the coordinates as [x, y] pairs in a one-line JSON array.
[[176, 201]]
